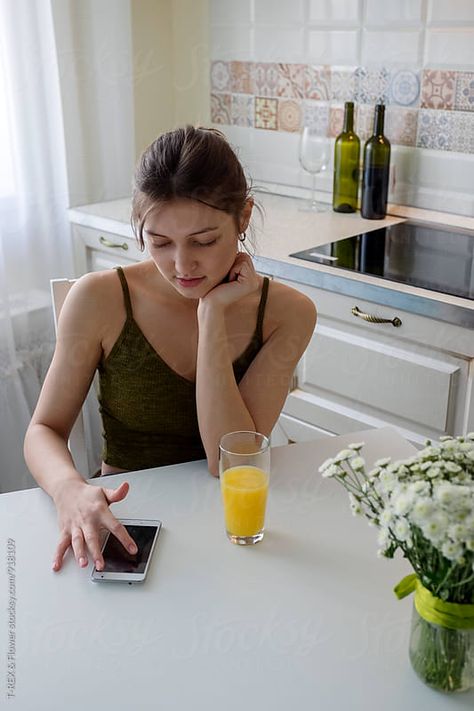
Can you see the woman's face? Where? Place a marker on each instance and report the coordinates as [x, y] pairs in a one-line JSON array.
[[193, 245]]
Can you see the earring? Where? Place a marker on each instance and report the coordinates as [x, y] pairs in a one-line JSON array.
[[242, 237]]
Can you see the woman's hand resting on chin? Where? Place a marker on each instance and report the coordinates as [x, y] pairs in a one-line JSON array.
[[243, 280]]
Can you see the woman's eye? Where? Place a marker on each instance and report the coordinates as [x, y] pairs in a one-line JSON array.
[[207, 244], [158, 246]]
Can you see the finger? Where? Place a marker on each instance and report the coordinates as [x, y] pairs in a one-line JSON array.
[[120, 532], [93, 543], [63, 546], [114, 495], [78, 546]]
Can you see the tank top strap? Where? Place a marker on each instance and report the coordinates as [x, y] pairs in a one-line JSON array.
[[126, 292], [261, 308]]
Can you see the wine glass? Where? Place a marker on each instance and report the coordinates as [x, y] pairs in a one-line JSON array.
[[314, 150]]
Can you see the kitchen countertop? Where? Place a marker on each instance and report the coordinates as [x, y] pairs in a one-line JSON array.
[[285, 229]]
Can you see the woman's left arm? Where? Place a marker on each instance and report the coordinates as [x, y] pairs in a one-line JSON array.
[[255, 404]]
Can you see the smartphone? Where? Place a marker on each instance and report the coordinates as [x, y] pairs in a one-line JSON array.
[[119, 564]]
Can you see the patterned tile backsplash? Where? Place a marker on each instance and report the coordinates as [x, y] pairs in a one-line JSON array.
[[429, 108]]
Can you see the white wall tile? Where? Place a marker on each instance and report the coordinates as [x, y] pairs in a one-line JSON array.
[[229, 12], [278, 12], [340, 11], [449, 48], [334, 47], [450, 11], [381, 47], [275, 157], [407, 12], [278, 44], [242, 140], [231, 43]]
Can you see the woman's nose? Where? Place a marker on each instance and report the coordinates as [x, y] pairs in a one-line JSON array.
[[184, 262]]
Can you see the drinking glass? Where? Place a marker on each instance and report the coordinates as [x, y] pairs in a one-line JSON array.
[[244, 469], [314, 153]]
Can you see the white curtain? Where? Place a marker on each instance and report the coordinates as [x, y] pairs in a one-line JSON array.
[[34, 232]]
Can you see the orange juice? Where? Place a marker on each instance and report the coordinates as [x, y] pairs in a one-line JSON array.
[[244, 493]]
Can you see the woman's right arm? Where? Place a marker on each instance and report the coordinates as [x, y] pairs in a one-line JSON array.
[[82, 509]]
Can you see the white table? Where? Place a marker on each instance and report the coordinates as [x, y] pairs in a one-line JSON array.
[[304, 620]]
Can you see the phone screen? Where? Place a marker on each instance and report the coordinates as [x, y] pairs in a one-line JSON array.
[[118, 560]]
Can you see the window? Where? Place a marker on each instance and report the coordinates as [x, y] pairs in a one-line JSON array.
[[7, 179]]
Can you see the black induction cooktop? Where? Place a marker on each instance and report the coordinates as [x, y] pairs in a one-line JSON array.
[[411, 252]]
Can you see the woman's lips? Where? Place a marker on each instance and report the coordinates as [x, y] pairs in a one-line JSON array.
[[189, 282]]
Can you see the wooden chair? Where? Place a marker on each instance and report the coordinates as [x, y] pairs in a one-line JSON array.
[[77, 439]]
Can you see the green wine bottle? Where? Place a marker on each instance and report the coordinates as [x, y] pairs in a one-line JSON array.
[[376, 170], [346, 165]]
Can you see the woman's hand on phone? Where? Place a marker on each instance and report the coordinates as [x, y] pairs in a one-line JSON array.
[[242, 280], [83, 511]]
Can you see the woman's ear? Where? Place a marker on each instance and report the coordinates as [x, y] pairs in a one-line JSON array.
[[245, 214]]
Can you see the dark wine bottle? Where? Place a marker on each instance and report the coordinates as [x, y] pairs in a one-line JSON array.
[[346, 165], [376, 170]]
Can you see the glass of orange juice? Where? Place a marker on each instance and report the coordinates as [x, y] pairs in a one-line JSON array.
[[244, 469]]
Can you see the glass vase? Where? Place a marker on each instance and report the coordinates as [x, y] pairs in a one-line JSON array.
[[443, 658]]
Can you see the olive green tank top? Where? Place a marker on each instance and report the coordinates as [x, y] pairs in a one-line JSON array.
[[149, 413]]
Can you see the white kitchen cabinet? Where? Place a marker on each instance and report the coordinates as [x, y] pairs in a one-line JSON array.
[[96, 249], [416, 377]]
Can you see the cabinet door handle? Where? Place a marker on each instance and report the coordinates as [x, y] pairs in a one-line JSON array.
[[115, 245], [374, 319]]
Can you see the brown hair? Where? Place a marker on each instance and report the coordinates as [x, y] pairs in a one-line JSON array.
[[190, 162]]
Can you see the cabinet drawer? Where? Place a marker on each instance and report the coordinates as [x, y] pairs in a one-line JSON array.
[[400, 381], [415, 329], [97, 249]]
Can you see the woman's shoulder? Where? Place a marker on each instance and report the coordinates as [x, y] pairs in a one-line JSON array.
[[92, 300], [290, 307], [91, 288]]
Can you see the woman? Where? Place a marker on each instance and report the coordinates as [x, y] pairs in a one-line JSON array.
[[189, 344]]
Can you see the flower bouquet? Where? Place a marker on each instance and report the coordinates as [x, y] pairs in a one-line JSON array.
[[424, 506]]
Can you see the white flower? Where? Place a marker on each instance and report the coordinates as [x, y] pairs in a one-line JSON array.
[[386, 517], [426, 452], [343, 455], [373, 474], [423, 509], [358, 464], [357, 446], [433, 472], [452, 551], [434, 528], [382, 462], [402, 503], [332, 470], [402, 529], [355, 505], [387, 480], [452, 468], [419, 487], [457, 532], [326, 464], [453, 497], [449, 445], [469, 544], [470, 455], [444, 493]]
